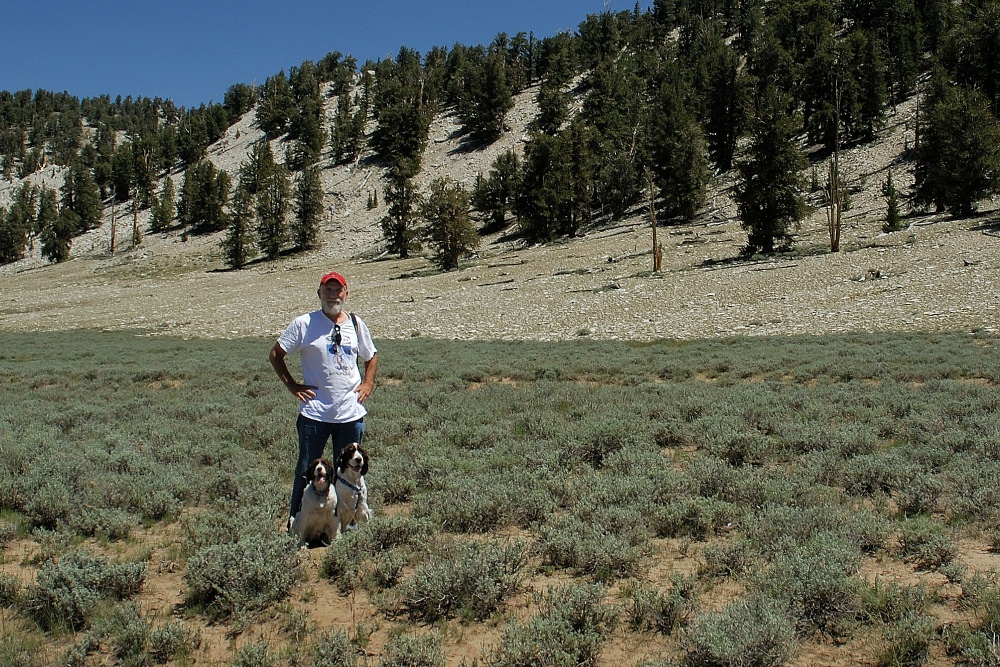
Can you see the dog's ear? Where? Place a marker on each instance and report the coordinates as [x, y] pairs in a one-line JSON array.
[[364, 460], [345, 454], [311, 471]]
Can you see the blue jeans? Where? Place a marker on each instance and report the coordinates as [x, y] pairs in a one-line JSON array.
[[312, 441]]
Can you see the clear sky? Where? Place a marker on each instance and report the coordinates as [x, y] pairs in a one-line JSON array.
[[191, 51]]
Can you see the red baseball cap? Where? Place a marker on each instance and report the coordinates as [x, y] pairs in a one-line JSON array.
[[333, 275]]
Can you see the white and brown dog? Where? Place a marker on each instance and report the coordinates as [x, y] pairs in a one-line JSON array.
[[352, 492], [316, 520]]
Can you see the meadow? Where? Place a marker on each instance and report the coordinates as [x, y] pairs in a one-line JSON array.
[[728, 502]]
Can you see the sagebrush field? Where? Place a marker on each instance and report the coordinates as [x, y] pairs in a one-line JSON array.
[[784, 500]]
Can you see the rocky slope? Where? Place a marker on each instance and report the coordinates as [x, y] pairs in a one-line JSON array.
[[938, 274]]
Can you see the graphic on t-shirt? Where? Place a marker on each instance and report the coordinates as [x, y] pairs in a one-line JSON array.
[[342, 356]]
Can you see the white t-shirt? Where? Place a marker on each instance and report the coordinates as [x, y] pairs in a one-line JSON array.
[[331, 368]]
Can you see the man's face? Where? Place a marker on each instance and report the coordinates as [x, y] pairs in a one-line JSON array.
[[332, 296]]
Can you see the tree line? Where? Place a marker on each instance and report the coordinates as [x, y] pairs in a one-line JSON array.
[[663, 100]]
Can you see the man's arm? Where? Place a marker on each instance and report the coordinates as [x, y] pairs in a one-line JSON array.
[[303, 392], [368, 385]]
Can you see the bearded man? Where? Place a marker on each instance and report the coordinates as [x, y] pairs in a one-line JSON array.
[[332, 393]]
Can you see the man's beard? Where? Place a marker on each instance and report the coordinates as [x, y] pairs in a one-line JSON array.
[[331, 308]]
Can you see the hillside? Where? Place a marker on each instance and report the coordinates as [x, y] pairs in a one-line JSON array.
[[938, 274]]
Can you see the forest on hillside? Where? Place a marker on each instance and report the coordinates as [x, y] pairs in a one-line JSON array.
[[633, 106]]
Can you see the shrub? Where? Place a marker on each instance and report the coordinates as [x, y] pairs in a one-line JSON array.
[[814, 581], [65, 591], [10, 589], [111, 523], [473, 582], [888, 603], [49, 504], [334, 649], [127, 632], [171, 641], [696, 518], [413, 651], [652, 610], [348, 559], [753, 633], [587, 547], [257, 654], [731, 558], [7, 530], [567, 631], [19, 649], [927, 543], [256, 571], [907, 642]]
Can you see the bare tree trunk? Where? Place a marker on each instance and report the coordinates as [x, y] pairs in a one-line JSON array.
[[657, 247], [136, 232], [114, 225], [834, 194]]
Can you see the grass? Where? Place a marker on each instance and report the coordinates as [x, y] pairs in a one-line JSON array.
[[530, 488]]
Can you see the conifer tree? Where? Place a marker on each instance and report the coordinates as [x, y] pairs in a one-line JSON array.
[[494, 195], [679, 154], [308, 209], [399, 223], [449, 230], [768, 192], [958, 161], [893, 222], [81, 195], [237, 244], [488, 98], [272, 204], [57, 238], [204, 196], [165, 208], [276, 105], [48, 209]]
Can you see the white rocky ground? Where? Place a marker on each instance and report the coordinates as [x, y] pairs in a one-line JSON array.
[[939, 274]]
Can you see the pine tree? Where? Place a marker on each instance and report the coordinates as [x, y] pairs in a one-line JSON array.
[[276, 105], [399, 223], [272, 210], [165, 207], [48, 209], [238, 241], [494, 195], [57, 238], [81, 195], [449, 230], [768, 192], [893, 221], [679, 155], [204, 196], [958, 161], [308, 209], [488, 98]]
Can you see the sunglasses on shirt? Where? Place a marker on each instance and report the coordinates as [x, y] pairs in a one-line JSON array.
[[335, 337]]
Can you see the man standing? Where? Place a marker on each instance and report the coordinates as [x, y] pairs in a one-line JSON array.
[[332, 392]]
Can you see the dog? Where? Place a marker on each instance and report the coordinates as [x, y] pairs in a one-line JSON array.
[[316, 520], [352, 492]]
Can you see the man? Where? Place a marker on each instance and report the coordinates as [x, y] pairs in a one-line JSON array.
[[332, 393]]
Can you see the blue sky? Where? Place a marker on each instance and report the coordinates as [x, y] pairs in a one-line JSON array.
[[191, 51]]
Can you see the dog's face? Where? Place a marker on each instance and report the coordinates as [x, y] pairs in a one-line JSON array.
[[354, 457], [319, 473]]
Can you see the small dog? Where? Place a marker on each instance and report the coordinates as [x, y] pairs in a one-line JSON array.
[[316, 519], [352, 492]]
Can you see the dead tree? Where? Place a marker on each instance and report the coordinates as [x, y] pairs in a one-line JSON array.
[[657, 247]]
